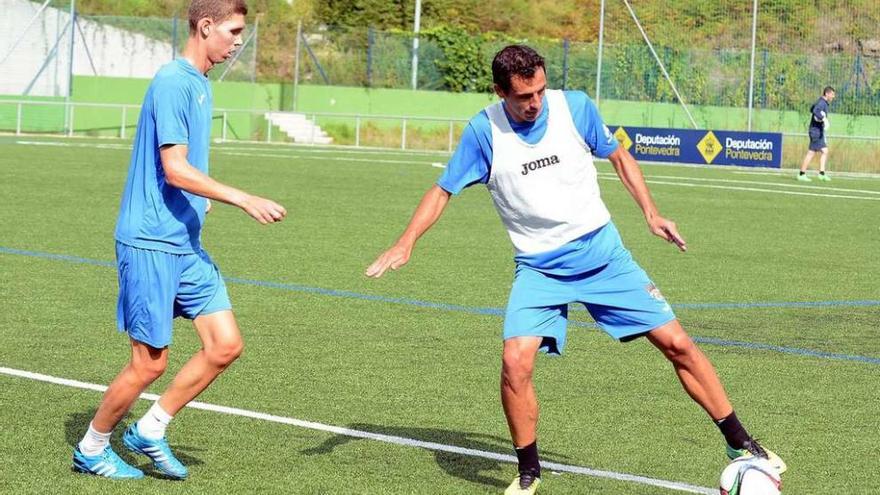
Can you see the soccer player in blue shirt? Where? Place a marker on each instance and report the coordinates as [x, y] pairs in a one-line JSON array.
[[534, 152], [819, 123], [163, 270]]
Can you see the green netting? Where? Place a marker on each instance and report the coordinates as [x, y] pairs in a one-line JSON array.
[[705, 46]]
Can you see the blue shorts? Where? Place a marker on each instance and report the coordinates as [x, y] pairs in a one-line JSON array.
[[817, 139], [619, 296], [155, 287]]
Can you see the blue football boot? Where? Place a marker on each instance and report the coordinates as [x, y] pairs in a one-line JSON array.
[[157, 450], [106, 464]]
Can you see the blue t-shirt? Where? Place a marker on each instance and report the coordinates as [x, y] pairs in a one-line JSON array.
[[472, 162], [153, 214]]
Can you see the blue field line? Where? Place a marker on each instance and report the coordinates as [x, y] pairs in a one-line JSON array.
[[59, 257], [368, 297], [779, 304], [500, 312], [451, 307], [764, 347], [786, 350]]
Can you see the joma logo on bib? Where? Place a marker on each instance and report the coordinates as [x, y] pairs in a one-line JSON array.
[[540, 163]]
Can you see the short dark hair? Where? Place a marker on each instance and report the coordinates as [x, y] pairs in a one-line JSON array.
[[515, 60], [216, 10], [828, 89]]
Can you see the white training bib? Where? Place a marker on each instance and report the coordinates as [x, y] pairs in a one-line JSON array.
[[547, 193]]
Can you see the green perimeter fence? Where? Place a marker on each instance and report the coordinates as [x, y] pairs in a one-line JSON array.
[[114, 120], [783, 80], [767, 55]]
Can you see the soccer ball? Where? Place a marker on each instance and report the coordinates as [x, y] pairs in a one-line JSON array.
[[750, 476]]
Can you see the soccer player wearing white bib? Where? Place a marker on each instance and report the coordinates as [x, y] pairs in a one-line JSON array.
[[534, 152]]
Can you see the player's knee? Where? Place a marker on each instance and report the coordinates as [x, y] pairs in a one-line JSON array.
[[516, 365], [680, 348], [224, 353], [148, 371]]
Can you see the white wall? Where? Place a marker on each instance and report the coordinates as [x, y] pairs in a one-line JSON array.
[[114, 51]]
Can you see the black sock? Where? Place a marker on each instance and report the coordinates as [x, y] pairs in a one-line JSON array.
[[821, 172], [734, 432], [803, 173], [528, 459]]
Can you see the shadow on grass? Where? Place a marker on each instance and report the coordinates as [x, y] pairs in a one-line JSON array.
[[77, 423], [479, 470]]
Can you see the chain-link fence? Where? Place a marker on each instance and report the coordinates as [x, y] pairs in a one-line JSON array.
[[725, 78], [707, 50], [635, 52]]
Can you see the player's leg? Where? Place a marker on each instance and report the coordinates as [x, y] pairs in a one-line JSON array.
[[802, 175], [807, 159], [535, 321], [627, 305], [823, 159], [146, 293], [221, 346], [202, 297], [696, 373], [701, 382], [93, 454], [517, 390], [521, 409], [146, 365]]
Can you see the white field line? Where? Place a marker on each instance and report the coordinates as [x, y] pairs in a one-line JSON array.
[[109, 146], [284, 150], [327, 158], [749, 189], [372, 150], [760, 183], [443, 165], [737, 169], [408, 442], [329, 148], [790, 173], [603, 176], [305, 149], [778, 173], [223, 152]]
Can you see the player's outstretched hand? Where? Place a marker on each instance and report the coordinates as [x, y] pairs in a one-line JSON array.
[[394, 258], [263, 210], [667, 229]]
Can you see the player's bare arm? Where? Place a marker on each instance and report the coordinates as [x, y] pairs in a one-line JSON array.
[[429, 210], [180, 174], [631, 175]]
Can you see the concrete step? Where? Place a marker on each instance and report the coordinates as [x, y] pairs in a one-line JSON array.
[[298, 127]]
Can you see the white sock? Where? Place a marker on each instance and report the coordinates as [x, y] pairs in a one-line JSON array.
[[153, 424], [94, 442]]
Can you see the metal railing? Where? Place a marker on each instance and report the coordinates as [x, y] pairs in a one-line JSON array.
[[117, 120], [854, 153]]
